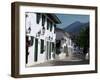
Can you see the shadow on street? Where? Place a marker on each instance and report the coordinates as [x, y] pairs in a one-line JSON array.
[[61, 62]]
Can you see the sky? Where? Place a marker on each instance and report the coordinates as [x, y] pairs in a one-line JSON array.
[[67, 19]]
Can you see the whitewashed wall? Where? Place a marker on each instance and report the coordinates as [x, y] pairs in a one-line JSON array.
[[31, 21]]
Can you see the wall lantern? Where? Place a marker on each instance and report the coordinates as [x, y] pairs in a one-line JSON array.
[[29, 30], [38, 34], [43, 30]]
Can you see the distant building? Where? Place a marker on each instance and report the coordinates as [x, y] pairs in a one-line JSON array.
[[64, 43], [40, 37]]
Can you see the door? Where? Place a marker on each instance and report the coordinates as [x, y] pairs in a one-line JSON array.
[[36, 50], [47, 50]]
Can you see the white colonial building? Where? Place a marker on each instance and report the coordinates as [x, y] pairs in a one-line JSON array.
[[40, 37], [64, 44]]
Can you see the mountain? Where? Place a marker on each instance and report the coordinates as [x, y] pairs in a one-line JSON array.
[[75, 27]]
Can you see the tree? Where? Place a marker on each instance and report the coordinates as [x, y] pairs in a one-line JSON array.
[[83, 39]]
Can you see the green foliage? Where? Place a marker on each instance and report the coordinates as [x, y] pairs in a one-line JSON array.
[[83, 38]]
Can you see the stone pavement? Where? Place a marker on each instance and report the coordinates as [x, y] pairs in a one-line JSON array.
[[66, 61]]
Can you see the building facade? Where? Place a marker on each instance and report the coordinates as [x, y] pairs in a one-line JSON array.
[[64, 44], [40, 37]]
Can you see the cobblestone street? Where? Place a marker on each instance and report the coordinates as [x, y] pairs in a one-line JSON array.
[[66, 61]]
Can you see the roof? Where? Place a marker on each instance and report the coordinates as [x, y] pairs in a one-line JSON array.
[[54, 18], [61, 33]]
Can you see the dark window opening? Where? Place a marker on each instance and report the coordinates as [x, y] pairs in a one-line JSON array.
[[47, 24], [27, 53], [31, 41], [28, 44], [58, 43], [42, 46], [54, 28], [50, 26], [52, 47], [38, 18], [58, 46], [43, 20], [36, 50], [49, 50]]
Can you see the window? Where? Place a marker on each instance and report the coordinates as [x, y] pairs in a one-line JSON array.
[[54, 28], [55, 25], [52, 47], [27, 47], [49, 50], [48, 24], [42, 46], [43, 20], [31, 41], [36, 50], [38, 18]]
